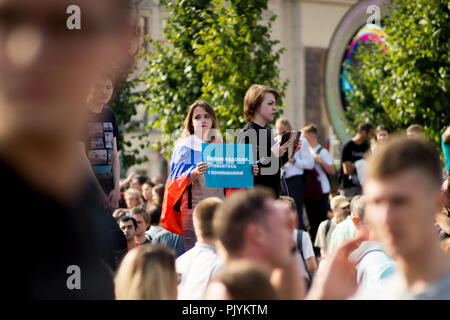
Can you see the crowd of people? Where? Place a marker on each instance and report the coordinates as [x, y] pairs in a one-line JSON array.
[[350, 245], [380, 230]]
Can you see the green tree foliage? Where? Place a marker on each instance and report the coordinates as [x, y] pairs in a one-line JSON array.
[[409, 84], [214, 51], [124, 103]]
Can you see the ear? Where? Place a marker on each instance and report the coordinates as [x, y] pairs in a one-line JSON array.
[[255, 234], [355, 221]]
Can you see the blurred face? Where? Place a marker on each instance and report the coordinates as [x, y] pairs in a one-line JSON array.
[[201, 121], [367, 135], [135, 184], [341, 213], [47, 70], [280, 227], [281, 129], [141, 226], [268, 108], [155, 197], [382, 136], [101, 92], [132, 200], [128, 229], [402, 217], [147, 192]]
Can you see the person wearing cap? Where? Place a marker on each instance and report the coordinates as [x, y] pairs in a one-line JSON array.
[[340, 207], [347, 229]]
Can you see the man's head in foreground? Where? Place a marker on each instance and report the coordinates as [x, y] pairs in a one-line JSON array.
[[402, 187], [250, 226], [48, 70]]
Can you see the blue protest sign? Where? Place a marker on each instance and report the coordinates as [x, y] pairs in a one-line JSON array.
[[229, 165]]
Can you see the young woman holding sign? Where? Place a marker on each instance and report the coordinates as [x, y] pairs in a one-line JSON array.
[[185, 186]]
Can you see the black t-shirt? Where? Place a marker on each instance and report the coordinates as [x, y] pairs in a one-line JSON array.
[[262, 141], [65, 236], [352, 152], [100, 142], [102, 129]]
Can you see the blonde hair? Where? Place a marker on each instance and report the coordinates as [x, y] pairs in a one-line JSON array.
[[135, 192], [147, 273], [284, 122]]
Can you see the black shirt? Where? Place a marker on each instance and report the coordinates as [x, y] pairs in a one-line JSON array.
[[102, 129], [100, 142], [63, 235], [269, 165], [352, 152]]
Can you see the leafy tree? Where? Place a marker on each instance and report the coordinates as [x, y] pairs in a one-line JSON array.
[[125, 100], [409, 83], [215, 50]]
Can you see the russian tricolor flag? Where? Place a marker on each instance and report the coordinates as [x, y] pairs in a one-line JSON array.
[[187, 153]]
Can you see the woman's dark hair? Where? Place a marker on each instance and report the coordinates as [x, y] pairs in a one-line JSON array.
[[155, 215], [159, 189]]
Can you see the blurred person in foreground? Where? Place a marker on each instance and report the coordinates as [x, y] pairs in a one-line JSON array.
[[250, 227], [241, 280], [147, 273], [197, 265], [46, 74], [403, 218], [445, 145], [443, 218]]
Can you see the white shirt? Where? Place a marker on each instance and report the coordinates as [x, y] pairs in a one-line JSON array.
[[307, 250], [196, 267], [303, 160], [322, 175], [395, 288]]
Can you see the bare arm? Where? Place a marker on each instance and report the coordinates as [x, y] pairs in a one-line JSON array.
[[311, 265], [114, 195]]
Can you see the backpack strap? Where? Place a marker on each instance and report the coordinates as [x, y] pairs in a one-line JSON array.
[[327, 227], [189, 189], [318, 150], [300, 244]]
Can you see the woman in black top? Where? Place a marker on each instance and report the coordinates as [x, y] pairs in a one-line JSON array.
[[259, 109]]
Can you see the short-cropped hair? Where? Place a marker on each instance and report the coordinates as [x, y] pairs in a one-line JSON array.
[[310, 128], [365, 127], [240, 209], [124, 219], [400, 154], [204, 215], [141, 211], [357, 206], [415, 128]]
